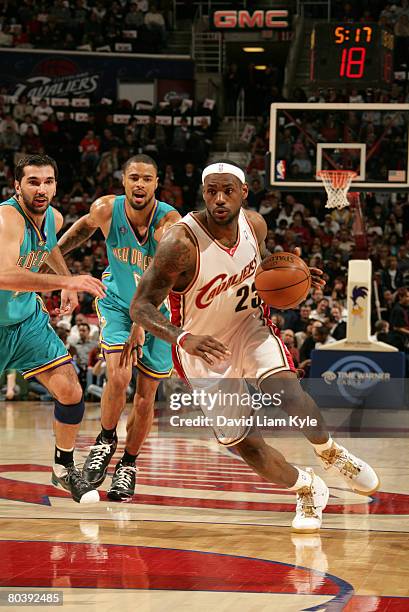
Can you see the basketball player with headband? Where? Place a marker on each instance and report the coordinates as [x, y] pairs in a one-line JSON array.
[[221, 334]]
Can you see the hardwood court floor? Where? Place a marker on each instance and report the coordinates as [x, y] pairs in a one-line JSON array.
[[203, 531]]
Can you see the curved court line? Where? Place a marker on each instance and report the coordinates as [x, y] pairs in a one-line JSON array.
[[380, 503], [193, 579]]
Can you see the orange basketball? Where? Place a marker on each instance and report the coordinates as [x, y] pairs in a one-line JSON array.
[[283, 280]]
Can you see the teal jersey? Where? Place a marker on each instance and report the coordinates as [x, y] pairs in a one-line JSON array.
[[16, 306], [128, 256]]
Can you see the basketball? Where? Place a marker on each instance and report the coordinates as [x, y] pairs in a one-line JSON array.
[[283, 280]]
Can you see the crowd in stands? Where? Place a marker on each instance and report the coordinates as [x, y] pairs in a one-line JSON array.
[[89, 25], [176, 135], [326, 236], [91, 153]]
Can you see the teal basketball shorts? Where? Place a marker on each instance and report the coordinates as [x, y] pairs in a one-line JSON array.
[[32, 346], [116, 324]]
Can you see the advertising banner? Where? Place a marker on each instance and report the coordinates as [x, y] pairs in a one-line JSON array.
[[53, 74], [362, 379]]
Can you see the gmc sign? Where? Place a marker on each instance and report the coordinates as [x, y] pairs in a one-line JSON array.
[[242, 20]]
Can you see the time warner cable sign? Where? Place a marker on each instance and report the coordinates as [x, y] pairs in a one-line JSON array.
[[367, 379]]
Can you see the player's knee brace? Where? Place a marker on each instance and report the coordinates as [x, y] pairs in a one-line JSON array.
[[69, 414]]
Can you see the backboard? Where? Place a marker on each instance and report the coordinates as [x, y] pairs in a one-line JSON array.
[[371, 139]]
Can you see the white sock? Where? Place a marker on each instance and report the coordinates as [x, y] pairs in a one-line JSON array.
[[319, 448], [304, 480]]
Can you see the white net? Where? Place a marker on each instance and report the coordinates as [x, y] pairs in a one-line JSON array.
[[337, 183]]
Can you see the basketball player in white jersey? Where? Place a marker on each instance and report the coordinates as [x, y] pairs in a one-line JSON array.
[[206, 264]]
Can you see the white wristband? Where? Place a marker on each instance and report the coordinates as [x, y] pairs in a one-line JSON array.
[[182, 335]]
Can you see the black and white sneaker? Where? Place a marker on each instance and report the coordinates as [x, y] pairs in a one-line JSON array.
[[69, 477], [123, 482], [96, 464]]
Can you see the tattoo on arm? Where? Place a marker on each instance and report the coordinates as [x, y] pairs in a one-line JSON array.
[[75, 236], [174, 256]]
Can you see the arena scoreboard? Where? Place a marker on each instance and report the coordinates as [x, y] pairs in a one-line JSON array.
[[359, 55]]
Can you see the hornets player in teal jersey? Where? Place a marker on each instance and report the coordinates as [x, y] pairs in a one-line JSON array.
[[28, 226], [132, 225]]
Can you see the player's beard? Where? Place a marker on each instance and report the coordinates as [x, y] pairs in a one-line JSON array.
[[31, 207], [140, 205]]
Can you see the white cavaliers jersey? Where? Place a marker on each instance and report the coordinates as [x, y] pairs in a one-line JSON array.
[[222, 294]]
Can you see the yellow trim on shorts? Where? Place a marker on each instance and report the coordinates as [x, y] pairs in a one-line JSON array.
[[112, 347], [145, 370], [48, 366], [43, 306]]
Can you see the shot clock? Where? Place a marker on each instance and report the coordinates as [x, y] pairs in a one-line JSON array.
[[359, 55]]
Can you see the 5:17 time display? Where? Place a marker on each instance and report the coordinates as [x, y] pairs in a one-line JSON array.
[[343, 53]]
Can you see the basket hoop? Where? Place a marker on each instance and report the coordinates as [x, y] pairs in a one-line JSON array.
[[336, 183]]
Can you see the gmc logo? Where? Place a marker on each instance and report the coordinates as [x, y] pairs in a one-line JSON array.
[[243, 19]]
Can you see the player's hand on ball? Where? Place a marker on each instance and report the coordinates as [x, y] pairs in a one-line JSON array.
[[69, 302], [133, 347], [316, 273], [84, 282], [206, 347]]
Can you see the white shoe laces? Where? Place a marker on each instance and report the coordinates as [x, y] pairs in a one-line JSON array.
[[123, 476], [99, 452]]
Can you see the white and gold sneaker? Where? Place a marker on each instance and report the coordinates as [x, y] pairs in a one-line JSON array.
[[358, 475], [311, 501]]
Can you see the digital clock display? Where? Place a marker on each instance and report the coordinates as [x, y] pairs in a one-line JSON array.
[[348, 53], [358, 35]]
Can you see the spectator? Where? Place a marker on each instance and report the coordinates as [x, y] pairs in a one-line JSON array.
[[300, 228], [337, 327], [303, 318], [89, 148], [382, 333], [28, 122], [322, 336], [23, 108], [74, 335], [99, 10], [232, 86], [308, 346], [6, 38], [391, 277], [181, 137], [399, 320], [71, 216], [60, 13], [5, 173], [135, 17], [42, 111], [256, 194], [152, 137], [172, 194], [10, 140], [155, 22], [142, 5], [321, 312], [189, 182], [288, 337], [30, 141], [83, 347], [8, 122]]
